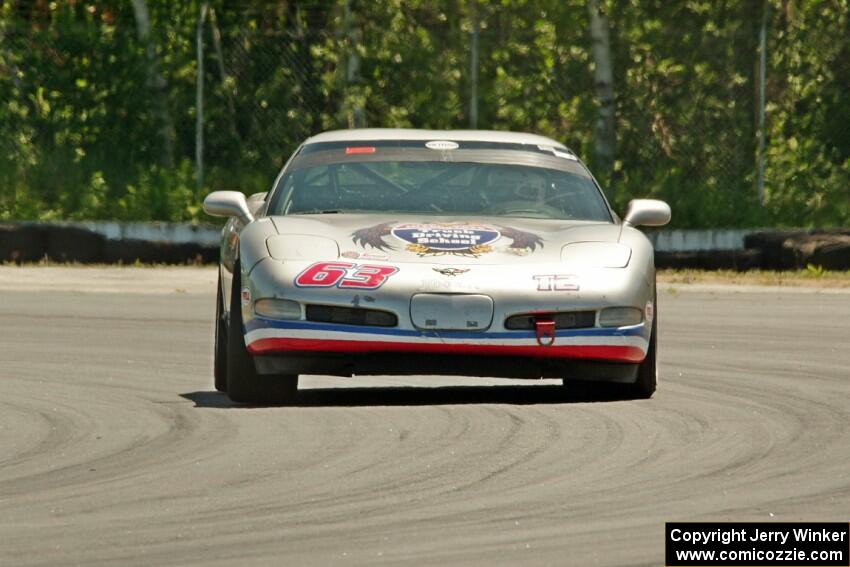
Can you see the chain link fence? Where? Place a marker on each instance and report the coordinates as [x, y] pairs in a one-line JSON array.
[[699, 139], [271, 89], [79, 135]]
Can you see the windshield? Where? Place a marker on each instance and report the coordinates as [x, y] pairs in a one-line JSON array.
[[426, 182]]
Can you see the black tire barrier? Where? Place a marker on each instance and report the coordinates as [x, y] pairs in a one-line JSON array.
[[795, 250], [768, 250], [34, 242], [74, 244], [739, 260], [22, 243], [130, 251]]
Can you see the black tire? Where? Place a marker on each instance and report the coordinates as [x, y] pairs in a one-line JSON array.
[[244, 384], [220, 353], [642, 389], [647, 378]]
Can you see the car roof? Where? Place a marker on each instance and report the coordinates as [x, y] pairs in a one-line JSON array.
[[374, 134]]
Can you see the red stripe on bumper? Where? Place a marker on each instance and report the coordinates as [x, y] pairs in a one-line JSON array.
[[594, 352]]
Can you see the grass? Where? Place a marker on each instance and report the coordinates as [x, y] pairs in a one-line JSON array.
[[812, 276]]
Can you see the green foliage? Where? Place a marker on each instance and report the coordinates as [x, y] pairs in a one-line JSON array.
[[80, 137], [808, 158], [816, 272]]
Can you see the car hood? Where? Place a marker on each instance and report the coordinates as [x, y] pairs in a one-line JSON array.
[[446, 240]]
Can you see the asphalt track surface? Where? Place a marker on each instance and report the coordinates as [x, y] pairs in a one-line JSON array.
[[114, 448]]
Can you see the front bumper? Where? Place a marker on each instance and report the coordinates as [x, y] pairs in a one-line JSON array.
[[623, 345], [311, 347]]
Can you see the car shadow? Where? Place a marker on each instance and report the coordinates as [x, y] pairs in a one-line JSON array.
[[412, 396]]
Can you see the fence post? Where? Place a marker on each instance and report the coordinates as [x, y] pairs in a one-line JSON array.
[[473, 67], [605, 131], [762, 81], [199, 98], [157, 84], [354, 94], [222, 71]]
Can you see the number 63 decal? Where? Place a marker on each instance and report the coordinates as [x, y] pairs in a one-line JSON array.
[[344, 275]]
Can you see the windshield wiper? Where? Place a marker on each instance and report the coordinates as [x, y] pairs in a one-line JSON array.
[[319, 212]]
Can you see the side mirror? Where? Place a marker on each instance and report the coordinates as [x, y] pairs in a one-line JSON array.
[[647, 212], [228, 204]]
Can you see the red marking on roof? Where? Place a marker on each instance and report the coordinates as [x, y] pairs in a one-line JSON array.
[[360, 150]]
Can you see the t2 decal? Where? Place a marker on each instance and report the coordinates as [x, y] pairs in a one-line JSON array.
[[556, 282], [345, 275]]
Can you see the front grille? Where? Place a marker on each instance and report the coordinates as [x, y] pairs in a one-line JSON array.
[[351, 316], [563, 320]]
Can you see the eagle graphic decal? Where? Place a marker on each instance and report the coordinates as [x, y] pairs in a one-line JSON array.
[[441, 239], [522, 240], [373, 236]]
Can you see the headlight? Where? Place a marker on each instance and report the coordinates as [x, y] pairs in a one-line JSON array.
[[301, 247], [596, 255], [620, 317], [278, 308]]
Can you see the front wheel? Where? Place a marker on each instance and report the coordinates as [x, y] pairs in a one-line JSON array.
[[641, 389], [647, 376], [244, 384], [220, 355]]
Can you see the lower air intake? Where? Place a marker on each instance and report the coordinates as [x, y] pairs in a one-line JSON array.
[[564, 320], [351, 316]]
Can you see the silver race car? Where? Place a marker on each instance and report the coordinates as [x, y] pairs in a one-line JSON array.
[[433, 252]]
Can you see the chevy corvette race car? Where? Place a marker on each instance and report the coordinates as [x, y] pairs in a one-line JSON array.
[[433, 252]]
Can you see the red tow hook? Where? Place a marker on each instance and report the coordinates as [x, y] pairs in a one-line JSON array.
[[545, 329]]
